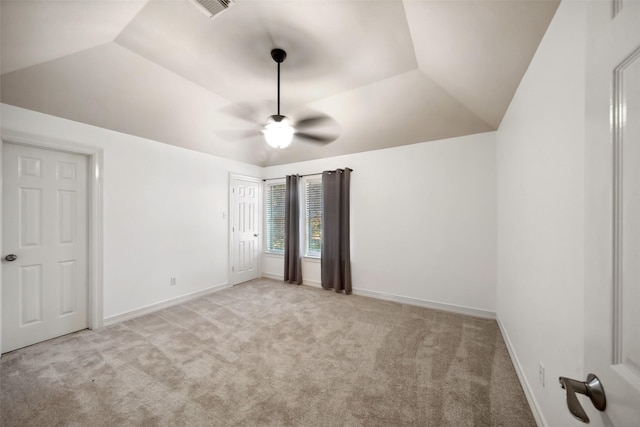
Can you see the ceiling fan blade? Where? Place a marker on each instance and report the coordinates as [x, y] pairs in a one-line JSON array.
[[321, 139], [312, 120], [240, 111], [250, 112], [237, 135]]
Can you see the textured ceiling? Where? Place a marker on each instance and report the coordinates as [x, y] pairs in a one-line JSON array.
[[388, 72]]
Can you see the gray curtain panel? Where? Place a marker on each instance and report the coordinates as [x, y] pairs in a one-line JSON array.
[[292, 259], [336, 247]]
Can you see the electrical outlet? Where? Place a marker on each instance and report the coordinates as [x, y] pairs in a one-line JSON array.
[[173, 281], [541, 373]]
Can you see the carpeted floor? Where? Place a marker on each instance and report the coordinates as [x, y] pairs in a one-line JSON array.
[[269, 354]]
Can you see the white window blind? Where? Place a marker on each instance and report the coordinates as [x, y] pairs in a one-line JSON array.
[[313, 216], [275, 217]]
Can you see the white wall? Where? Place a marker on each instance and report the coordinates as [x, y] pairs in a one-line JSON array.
[[541, 216], [423, 221], [163, 211]]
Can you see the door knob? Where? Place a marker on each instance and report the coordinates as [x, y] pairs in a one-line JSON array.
[[255, 234], [591, 388], [11, 257]]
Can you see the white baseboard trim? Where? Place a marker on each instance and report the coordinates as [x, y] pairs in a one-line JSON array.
[[469, 311], [533, 403], [312, 283], [280, 277], [162, 304], [272, 276]]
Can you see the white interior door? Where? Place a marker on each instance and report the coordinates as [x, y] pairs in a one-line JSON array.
[[612, 239], [44, 289], [245, 229]]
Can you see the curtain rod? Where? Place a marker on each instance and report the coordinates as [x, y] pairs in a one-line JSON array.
[[308, 174]]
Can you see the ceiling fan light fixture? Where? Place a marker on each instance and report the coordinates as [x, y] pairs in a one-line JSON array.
[[278, 131]]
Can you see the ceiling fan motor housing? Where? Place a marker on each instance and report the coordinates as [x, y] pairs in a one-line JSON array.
[[278, 55], [277, 118]]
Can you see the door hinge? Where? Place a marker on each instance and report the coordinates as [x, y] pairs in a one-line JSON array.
[[233, 269]]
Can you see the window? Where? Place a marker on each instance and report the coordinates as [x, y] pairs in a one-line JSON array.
[[313, 216], [275, 207], [311, 206]]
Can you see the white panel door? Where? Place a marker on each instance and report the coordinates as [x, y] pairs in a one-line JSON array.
[[612, 184], [245, 229], [44, 290]]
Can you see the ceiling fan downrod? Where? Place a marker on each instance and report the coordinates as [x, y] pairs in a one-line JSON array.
[[279, 56], [278, 131]]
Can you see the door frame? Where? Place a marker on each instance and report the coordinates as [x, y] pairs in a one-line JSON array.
[[95, 211], [232, 212]]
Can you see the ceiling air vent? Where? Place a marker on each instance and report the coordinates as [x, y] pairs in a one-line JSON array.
[[212, 7]]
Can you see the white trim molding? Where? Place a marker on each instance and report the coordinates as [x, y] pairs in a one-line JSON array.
[[111, 320], [272, 276], [452, 308], [435, 305], [280, 278], [528, 392]]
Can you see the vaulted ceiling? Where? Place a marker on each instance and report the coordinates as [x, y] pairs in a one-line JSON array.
[[388, 73]]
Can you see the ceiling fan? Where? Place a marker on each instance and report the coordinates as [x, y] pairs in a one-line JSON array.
[[279, 130]]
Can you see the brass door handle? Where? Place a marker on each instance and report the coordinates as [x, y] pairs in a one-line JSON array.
[[591, 388]]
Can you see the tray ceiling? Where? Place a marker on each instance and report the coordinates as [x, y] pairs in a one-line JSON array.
[[389, 72]]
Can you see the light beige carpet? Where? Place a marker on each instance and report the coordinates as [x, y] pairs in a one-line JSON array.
[[270, 354]]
